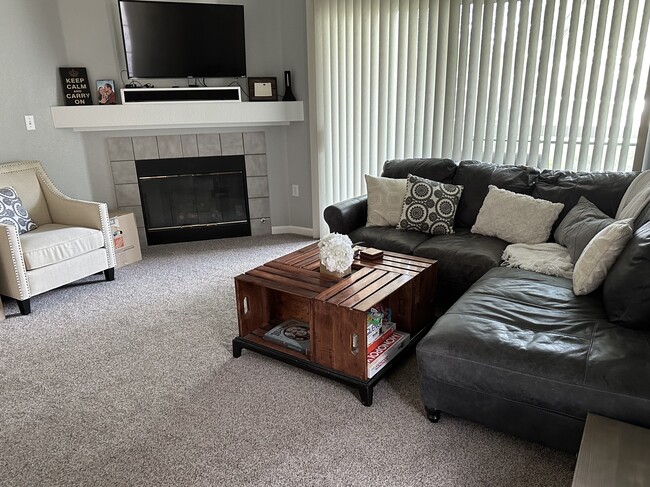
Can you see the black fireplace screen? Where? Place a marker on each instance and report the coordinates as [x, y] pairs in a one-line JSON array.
[[193, 198]]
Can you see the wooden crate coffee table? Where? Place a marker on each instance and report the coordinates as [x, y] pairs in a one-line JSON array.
[[292, 287]]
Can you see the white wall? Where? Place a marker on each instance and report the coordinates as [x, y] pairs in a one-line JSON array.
[[38, 36], [32, 50]]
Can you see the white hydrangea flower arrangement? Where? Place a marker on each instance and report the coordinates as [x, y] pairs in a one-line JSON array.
[[336, 252]]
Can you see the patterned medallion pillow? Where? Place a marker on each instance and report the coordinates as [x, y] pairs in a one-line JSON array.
[[516, 218], [12, 211], [385, 199], [429, 206]]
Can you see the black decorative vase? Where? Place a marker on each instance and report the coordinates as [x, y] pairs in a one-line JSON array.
[[288, 94]]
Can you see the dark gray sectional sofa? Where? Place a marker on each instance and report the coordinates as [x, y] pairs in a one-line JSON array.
[[517, 350]]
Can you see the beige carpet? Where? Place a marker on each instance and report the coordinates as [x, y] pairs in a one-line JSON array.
[[133, 382]]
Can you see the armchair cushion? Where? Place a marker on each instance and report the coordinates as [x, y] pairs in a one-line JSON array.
[[53, 243], [12, 211]]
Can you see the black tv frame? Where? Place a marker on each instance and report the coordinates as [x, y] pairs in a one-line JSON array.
[[185, 5]]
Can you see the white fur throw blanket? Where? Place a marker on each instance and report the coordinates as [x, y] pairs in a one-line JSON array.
[[546, 258]]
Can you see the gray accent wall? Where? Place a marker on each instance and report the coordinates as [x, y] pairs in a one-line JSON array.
[[33, 47], [38, 36]]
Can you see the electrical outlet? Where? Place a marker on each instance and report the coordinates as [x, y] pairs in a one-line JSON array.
[[295, 190], [29, 122]]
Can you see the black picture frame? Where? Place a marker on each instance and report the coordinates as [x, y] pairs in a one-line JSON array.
[[263, 89], [75, 86]]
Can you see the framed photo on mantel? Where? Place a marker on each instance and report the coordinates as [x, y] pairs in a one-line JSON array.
[[76, 88], [263, 89]]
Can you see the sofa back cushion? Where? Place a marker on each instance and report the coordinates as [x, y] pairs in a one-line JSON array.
[[604, 189], [476, 176], [626, 291], [441, 170]]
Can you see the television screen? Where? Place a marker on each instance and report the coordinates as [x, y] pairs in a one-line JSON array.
[[178, 40]]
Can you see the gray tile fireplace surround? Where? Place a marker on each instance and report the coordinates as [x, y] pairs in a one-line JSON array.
[[123, 152]]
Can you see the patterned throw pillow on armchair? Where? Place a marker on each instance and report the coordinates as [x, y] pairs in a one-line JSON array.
[[12, 211]]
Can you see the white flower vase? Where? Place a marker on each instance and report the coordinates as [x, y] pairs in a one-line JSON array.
[[336, 256], [334, 275]]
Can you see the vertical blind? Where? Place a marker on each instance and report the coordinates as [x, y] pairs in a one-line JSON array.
[[548, 83]]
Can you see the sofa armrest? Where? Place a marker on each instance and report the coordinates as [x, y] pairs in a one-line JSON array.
[[348, 215], [13, 275]]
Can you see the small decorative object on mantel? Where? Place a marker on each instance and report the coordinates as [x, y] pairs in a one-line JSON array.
[[336, 255], [76, 88], [263, 89], [106, 94], [288, 92]]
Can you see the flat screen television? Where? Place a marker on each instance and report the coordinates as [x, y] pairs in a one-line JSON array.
[[178, 40]]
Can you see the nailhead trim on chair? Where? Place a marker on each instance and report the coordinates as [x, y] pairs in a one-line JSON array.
[[22, 264]]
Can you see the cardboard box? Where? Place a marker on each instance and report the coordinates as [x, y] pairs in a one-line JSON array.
[[125, 238]]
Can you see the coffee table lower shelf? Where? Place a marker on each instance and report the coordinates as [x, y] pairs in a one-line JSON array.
[[257, 344]]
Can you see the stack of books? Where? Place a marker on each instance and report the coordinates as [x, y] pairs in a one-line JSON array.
[[384, 341]]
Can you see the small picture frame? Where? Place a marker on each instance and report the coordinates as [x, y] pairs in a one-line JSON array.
[[263, 89], [106, 94]]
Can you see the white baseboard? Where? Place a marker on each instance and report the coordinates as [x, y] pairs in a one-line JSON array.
[[307, 232]]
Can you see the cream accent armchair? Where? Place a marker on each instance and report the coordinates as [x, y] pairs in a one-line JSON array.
[[73, 239]]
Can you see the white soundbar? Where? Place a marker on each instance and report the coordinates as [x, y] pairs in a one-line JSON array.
[[181, 95]]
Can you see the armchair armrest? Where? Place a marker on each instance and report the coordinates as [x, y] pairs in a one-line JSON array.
[[348, 215], [13, 275], [78, 213]]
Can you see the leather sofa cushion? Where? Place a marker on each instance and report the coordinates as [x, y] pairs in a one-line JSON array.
[[525, 337], [626, 291], [463, 257], [604, 189], [476, 176], [441, 170], [52, 243], [387, 238]]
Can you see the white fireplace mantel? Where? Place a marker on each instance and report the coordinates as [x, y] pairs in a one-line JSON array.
[[146, 116]]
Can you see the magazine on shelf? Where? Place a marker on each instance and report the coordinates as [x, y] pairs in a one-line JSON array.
[[384, 353], [387, 330], [292, 334], [376, 317]]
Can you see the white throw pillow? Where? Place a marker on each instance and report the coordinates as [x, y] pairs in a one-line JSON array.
[[599, 256], [385, 199], [516, 218]]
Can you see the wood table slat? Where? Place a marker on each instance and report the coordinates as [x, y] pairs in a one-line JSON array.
[[411, 257], [389, 268], [357, 287], [303, 271], [382, 293], [344, 283], [277, 286], [369, 290], [402, 260], [283, 278]]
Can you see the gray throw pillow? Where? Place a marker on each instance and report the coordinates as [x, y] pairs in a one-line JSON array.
[[12, 211], [580, 226], [429, 206], [626, 291]]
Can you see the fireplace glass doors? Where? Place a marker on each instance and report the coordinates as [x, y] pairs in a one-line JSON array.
[[193, 198]]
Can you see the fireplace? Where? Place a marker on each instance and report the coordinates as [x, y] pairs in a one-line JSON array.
[[193, 198]]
